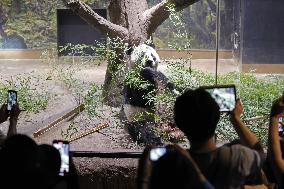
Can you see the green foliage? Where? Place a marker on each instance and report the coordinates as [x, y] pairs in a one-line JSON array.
[[33, 20], [142, 116], [93, 100], [257, 95], [134, 80], [71, 131], [31, 97], [199, 20], [113, 51], [180, 35]]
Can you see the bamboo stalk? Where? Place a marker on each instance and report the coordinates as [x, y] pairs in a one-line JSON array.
[[88, 132], [57, 122]]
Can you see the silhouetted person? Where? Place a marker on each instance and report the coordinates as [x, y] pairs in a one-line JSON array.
[[177, 169], [49, 163], [197, 114], [4, 115], [174, 169], [275, 142], [18, 162]]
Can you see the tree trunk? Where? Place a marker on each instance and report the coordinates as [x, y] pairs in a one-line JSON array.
[[3, 20], [126, 13], [2, 33], [16, 7]]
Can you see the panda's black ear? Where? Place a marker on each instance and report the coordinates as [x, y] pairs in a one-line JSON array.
[[129, 50], [152, 45]]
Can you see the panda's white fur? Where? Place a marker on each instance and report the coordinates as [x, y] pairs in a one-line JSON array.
[[144, 53]]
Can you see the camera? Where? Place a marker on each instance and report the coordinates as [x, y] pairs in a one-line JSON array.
[[157, 153], [224, 95], [63, 148], [11, 99]]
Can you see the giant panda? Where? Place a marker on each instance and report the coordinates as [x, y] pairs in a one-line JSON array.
[[146, 58]]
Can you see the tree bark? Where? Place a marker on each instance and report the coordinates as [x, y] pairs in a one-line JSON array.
[[3, 20], [129, 14], [16, 6], [126, 13]]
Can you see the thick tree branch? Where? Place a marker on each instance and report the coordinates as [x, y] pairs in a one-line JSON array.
[[156, 15], [212, 5], [92, 18]]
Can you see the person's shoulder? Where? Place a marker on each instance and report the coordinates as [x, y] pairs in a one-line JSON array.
[[244, 159], [241, 152], [241, 149]]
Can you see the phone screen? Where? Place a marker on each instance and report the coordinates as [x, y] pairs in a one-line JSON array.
[[12, 99], [280, 126], [156, 153], [225, 96], [63, 148]]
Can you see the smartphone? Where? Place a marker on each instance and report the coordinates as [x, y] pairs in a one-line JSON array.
[[224, 95], [11, 99], [63, 148], [157, 153], [280, 126]]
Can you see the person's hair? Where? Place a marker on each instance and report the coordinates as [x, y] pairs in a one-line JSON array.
[[144, 169], [196, 114], [18, 162], [49, 159], [172, 170], [20, 151]]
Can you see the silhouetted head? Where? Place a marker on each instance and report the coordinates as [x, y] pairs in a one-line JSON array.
[[49, 162], [18, 161], [197, 114], [49, 159], [19, 151], [172, 170]]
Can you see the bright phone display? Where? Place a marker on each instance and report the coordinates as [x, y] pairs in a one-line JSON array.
[[224, 95], [63, 148], [11, 99]]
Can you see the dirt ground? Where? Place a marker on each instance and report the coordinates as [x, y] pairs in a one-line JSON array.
[[94, 172]]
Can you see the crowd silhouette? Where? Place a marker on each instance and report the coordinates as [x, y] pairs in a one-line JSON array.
[[238, 164]]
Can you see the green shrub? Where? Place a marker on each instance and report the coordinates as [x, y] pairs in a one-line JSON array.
[[31, 96]]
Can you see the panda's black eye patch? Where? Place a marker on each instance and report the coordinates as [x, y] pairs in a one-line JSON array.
[[154, 58], [149, 63]]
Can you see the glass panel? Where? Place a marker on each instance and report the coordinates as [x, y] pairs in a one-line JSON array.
[[229, 37], [200, 23], [263, 39], [250, 38], [30, 61]]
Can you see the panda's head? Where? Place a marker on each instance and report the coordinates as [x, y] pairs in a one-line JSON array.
[[145, 56]]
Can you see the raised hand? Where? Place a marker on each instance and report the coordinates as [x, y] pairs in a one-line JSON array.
[[15, 112], [4, 114]]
